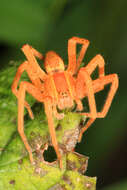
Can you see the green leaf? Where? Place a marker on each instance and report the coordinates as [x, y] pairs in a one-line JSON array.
[[8, 103], [22, 175], [38, 135], [16, 171]]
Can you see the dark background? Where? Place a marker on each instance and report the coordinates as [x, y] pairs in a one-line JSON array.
[[47, 25]]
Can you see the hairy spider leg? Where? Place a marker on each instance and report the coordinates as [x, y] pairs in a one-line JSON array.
[[97, 86], [36, 53], [97, 61], [113, 79], [49, 114], [25, 66], [36, 90], [14, 86], [30, 54], [83, 75], [34, 72], [74, 62], [23, 88]]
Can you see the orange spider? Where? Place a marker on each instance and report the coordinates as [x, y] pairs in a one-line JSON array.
[[59, 88]]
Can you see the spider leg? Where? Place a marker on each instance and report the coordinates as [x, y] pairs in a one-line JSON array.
[[74, 64], [113, 79], [97, 85], [88, 124], [89, 91], [84, 76], [14, 86], [36, 53], [29, 53], [96, 61], [30, 88], [48, 111]]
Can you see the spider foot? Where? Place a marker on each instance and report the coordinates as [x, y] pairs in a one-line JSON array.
[[29, 110], [80, 137], [31, 114]]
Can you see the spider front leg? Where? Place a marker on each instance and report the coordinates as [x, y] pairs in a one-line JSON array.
[[99, 62], [14, 86], [36, 53], [74, 62], [49, 114], [30, 53], [30, 88]]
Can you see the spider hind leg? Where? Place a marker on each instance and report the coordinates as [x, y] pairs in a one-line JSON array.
[[85, 87]]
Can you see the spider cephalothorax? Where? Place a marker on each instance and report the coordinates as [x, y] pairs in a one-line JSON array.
[[60, 88], [53, 63]]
